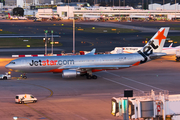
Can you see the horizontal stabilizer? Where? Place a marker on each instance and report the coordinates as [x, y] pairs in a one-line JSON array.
[[156, 55]]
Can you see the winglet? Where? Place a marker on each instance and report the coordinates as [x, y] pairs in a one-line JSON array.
[[170, 46], [92, 52]]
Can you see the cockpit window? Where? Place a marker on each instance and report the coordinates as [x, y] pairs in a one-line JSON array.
[[12, 63]]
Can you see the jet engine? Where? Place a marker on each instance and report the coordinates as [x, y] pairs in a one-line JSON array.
[[70, 73]]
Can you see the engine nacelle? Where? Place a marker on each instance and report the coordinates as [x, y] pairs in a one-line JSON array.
[[70, 73]]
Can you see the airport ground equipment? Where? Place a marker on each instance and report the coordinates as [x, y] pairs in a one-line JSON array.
[[177, 55], [157, 105], [5, 76], [25, 98]]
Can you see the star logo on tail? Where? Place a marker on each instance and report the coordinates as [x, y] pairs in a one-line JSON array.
[[160, 36]]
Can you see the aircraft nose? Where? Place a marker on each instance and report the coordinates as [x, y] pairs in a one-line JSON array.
[[7, 66]]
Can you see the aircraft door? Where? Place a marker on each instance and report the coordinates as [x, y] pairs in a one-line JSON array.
[[23, 62], [100, 60]]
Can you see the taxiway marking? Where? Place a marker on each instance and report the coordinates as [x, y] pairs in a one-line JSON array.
[[135, 81], [122, 84]]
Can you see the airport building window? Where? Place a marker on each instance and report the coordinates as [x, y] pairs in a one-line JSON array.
[[64, 14]]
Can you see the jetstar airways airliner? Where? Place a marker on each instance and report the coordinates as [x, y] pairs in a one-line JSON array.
[[71, 66], [168, 50]]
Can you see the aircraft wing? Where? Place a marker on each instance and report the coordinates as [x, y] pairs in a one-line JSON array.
[[95, 67]]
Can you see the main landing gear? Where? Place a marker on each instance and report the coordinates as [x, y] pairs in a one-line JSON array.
[[90, 76]]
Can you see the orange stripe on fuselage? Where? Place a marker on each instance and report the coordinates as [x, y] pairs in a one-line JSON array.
[[53, 70], [137, 63], [60, 70]]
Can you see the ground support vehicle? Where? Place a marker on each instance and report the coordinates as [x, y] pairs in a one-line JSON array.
[[25, 98], [5, 76]]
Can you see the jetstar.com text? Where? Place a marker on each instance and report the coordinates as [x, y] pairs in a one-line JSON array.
[[51, 62]]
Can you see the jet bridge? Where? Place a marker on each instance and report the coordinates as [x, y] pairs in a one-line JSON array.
[[149, 105]]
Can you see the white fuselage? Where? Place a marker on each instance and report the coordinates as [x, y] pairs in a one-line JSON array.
[[52, 63], [167, 50]]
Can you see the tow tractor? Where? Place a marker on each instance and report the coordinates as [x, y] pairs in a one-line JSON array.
[[5, 76]]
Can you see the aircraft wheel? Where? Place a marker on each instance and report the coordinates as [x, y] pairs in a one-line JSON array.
[[24, 77], [88, 76], [22, 102], [94, 77]]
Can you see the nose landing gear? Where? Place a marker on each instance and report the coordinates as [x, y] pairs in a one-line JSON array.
[[23, 76]]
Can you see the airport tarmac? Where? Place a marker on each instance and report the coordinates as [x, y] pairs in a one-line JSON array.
[[82, 99]]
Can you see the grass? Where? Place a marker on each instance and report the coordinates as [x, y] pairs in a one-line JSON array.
[[7, 32], [175, 28], [91, 30], [18, 42], [103, 30], [55, 24], [176, 39]]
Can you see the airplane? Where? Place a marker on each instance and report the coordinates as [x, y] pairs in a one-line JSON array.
[[16, 17], [138, 16], [168, 50], [91, 17], [74, 65], [47, 16]]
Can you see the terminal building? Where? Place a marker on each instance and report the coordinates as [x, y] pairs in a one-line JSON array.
[[84, 10], [155, 11]]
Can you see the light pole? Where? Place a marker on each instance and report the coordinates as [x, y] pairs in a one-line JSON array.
[[73, 36], [46, 31], [175, 9], [52, 42], [163, 4], [68, 9], [119, 9]]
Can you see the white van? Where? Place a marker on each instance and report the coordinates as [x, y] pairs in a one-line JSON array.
[[25, 98]]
